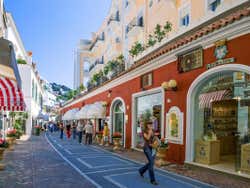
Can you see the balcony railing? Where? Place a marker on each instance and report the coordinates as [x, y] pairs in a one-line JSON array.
[[114, 18], [97, 62], [135, 23]]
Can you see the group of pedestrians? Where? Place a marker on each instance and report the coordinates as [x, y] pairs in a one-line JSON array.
[[80, 129], [86, 127]]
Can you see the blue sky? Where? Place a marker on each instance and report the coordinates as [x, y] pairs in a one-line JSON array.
[[52, 28]]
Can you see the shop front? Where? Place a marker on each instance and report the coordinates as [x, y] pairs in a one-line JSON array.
[[118, 118], [147, 107], [218, 125], [11, 97]]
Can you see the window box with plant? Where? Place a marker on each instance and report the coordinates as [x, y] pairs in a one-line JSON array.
[[21, 62], [136, 49], [160, 32]]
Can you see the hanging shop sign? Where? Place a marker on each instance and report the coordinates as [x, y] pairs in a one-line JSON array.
[[220, 53], [190, 60], [146, 80]]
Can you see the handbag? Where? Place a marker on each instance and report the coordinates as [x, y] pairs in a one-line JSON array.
[[156, 142]]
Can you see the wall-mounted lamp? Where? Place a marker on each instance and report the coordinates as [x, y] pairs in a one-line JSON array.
[[170, 85], [109, 93], [104, 104], [127, 107]]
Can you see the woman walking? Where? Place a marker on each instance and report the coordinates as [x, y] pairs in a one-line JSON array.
[[148, 136], [61, 130], [74, 130]]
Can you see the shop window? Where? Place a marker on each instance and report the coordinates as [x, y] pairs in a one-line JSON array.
[[174, 128], [148, 110], [147, 80], [222, 121]]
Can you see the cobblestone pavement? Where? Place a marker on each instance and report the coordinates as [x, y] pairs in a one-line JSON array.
[[34, 164], [108, 170]]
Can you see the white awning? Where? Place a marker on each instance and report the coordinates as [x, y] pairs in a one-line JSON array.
[[96, 111], [70, 115], [92, 111], [82, 114]]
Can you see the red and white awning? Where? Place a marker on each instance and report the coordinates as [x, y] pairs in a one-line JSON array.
[[206, 99], [11, 97]]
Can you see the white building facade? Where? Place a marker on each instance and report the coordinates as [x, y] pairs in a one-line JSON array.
[[31, 83]]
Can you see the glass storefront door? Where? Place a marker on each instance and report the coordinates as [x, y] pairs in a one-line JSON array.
[[222, 122], [148, 108]]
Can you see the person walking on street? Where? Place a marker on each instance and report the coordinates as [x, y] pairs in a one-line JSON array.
[[89, 132], [80, 130], [74, 130], [61, 130], [68, 127], [148, 136]]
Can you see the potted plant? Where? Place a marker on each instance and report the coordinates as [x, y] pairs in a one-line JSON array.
[[99, 137], [11, 137], [3, 146], [37, 130], [116, 138], [161, 152]]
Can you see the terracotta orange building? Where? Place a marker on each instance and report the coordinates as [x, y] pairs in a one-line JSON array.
[[194, 87]]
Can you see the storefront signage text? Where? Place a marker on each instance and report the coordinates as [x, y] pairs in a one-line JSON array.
[[220, 53], [221, 62]]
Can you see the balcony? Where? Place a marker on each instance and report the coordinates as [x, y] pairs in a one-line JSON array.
[[135, 26], [98, 40], [114, 18], [95, 64]]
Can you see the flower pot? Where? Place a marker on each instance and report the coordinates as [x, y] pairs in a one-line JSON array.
[[99, 139], [2, 166], [37, 131], [1, 153], [160, 156], [117, 144], [11, 140]]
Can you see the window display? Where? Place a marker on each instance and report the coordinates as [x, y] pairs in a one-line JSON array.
[[174, 121], [222, 119], [148, 109]]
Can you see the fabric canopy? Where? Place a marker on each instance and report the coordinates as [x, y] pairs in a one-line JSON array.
[[11, 97], [82, 114], [92, 111], [70, 115], [206, 99], [96, 111]]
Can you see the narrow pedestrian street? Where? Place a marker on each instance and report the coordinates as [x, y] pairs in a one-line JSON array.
[[66, 163]]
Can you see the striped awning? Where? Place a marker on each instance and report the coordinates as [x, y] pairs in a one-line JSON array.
[[11, 97], [206, 99]]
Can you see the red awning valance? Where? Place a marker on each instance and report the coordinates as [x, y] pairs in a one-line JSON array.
[[11, 97], [206, 99]]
